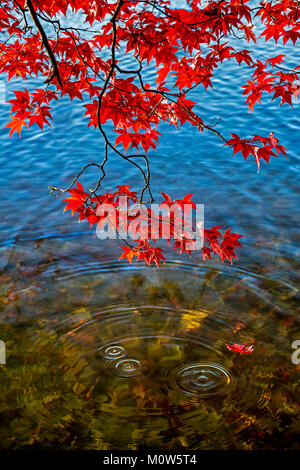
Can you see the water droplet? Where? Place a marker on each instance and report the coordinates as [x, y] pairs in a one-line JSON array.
[[203, 379], [113, 351], [129, 367]]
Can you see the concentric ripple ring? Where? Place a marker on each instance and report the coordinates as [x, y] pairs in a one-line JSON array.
[[129, 367], [113, 351]]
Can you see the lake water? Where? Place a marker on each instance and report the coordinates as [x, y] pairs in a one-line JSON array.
[[105, 355]]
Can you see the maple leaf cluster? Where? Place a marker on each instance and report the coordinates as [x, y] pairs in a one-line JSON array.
[[149, 226], [284, 84], [185, 43], [258, 146]]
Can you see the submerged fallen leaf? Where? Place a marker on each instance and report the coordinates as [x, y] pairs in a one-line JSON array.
[[240, 348]]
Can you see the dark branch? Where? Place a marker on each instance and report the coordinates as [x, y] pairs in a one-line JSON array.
[[45, 43]]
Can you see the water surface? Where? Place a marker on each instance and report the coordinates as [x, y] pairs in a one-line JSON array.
[[103, 355]]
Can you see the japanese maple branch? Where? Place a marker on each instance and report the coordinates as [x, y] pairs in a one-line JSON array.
[[53, 188], [45, 42], [106, 83], [107, 142], [23, 12]]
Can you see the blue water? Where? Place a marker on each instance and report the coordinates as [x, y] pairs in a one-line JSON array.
[[263, 207]]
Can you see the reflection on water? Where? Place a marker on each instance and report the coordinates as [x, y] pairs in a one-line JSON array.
[[93, 343]]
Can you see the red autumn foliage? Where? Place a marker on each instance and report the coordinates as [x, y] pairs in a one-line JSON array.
[[108, 208]]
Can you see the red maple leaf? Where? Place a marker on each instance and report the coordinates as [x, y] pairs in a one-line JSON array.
[[16, 125], [240, 348], [77, 200], [129, 253]]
